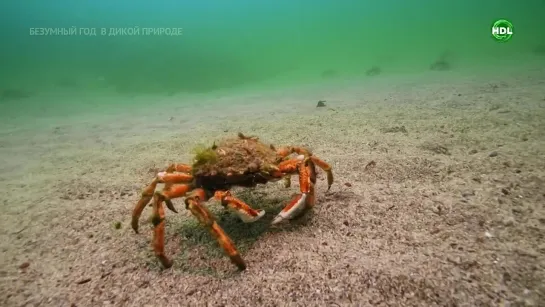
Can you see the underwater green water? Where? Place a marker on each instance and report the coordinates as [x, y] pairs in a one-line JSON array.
[[230, 44]]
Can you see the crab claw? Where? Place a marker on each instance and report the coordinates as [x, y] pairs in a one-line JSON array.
[[246, 213], [304, 200], [296, 206], [250, 219]]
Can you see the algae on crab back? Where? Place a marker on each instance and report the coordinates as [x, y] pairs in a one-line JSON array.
[[204, 155]]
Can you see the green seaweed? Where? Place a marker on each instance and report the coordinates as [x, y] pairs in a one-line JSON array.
[[204, 155]]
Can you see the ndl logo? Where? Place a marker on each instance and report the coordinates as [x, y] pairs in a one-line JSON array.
[[502, 30]]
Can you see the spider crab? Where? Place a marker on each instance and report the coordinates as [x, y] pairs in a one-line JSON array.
[[242, 161]]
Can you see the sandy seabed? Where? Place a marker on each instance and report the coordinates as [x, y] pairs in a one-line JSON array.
[[439, 200]]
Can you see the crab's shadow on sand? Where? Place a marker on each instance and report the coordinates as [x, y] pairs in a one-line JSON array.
[[199, 253]]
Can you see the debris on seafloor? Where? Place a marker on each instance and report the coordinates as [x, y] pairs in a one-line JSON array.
[[370, 165], [24, 265], [321, 104], [373, 71], [329, 73], [435, 148], [395, 129], [442, 63]]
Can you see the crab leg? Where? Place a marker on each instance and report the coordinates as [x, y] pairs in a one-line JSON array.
[[147, 194], [169, 179], [180, 167], [326, 168], [286, 151], [303, 201], [175, 191], [158, 220], [194, 204], [246, 213]]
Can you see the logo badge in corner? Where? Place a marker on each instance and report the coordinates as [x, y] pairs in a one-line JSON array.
[[502, 30]]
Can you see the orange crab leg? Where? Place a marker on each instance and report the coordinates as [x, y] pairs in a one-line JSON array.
[[286, 151], [147, 194], [167, 177], [180, 167], [289, 166], [246, 213], [158, 220], [174, 177], [175, 191], [302, 201], [326, 168], [285, 169], [193, 203]]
